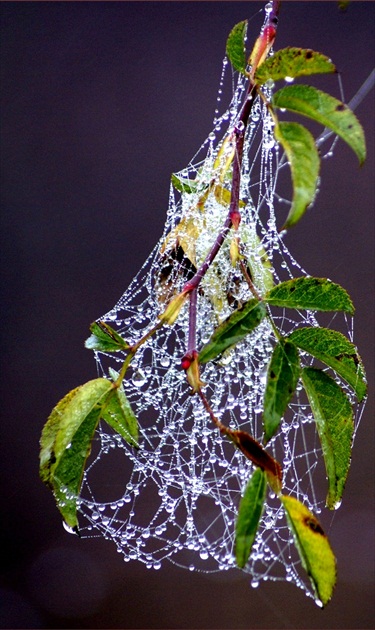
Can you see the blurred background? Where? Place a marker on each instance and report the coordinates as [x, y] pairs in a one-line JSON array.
[[100, 102]]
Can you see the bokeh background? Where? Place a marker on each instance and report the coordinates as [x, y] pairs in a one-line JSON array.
[[101, 101]]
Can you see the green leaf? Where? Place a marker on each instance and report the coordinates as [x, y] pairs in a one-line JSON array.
[[299, 146], [315, 294], [105, 339], [235, 48], [249, 514], [233, 329], [292, 63], [313, 547], [334, 420], [324, 109], [336, 351], [66, 443], [183, 184], [282, 378], [120, 416]]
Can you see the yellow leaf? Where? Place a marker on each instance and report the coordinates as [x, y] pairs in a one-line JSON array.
[[313, 547], [184, 234], [223, 196]]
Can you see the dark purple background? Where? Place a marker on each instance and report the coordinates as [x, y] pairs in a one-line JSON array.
[[100, 103]]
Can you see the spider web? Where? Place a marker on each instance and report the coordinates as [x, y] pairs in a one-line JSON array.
[[176, 498]]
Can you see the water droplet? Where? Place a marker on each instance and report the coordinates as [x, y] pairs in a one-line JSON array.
[[319, 603], [165, 361], [70, 530], [337, 504], [254, 583], [268, 523], [270, 84], [191, 567], [240, 126], [139, 378], [203, 554], [263, 377], [289, 79], [269, 143], [157, 565]]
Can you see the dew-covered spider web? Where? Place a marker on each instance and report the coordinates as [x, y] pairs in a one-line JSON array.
[[176, 497]]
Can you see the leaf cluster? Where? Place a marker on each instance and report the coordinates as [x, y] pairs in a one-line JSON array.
[[296, 140], [330, 405]]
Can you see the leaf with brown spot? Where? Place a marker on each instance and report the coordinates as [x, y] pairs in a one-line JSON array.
[[326, 110], [313, 547], [293, 62]]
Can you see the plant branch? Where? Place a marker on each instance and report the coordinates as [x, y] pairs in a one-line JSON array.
[[260, 51], [262, 46]]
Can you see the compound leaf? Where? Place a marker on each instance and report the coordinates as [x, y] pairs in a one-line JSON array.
[[334, 420], [336, 351], [313, 547], [316, 294], [249, 514], [324, 109], [105, 339], [233, 329], [291, 63], [299, 146], [235, 47], [282, 378], [66, 443]]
